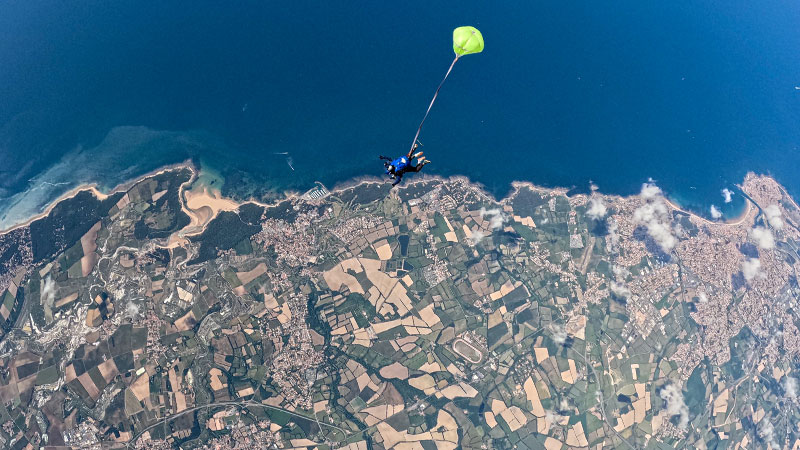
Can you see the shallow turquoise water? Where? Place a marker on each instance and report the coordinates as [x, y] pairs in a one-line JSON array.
[[692, 94]]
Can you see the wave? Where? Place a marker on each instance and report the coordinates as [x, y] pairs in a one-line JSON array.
[[126, 153]]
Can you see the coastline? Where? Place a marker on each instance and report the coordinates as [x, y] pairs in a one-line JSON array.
[[95, 190], [211, 199], [731, 221], [418, 179], [91, 187], [749, 208]]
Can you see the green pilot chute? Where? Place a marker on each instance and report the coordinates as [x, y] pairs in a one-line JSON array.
[[466, 41]]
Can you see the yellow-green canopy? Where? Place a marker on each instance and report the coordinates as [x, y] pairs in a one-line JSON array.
[[467, 40]]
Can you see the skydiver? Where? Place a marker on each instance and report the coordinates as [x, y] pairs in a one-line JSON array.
[[396, 168]]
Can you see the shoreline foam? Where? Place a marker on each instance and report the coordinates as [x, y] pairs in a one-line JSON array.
[[216, 202], [95, 190]]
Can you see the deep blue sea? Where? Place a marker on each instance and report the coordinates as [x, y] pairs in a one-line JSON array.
[[691, 93]]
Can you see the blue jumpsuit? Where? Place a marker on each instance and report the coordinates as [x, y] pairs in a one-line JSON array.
[[401, 165]]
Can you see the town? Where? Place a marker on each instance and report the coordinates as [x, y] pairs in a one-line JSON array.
[[424, 316]]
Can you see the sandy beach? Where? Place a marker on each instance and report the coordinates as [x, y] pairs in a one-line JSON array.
[[93, 188], [66, 196], [202, 205], [744, 216]]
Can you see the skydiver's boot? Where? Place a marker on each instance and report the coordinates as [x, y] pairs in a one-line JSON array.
[[421, 163]]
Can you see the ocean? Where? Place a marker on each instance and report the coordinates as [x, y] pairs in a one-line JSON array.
[[691, 94]]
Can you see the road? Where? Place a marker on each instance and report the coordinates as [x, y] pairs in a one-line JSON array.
[[216, 404]]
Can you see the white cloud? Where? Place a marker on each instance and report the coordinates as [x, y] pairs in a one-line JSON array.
[[727, 194], [790, 386], [702, 298], [48, 293], [620, 290], [661, 233], [497, 221], [558, 333], [550, 418], [675, 405], [132, 310], [496, 217], [763, 237], [620, 272], [654, 215], [612, 239], [773, 215], [650, 191], [679, 231], [597, 209], [751, 268], [715, 213], [767, 432], [476, 237]]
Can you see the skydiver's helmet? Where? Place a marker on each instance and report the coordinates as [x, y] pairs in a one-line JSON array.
[[390, 169]]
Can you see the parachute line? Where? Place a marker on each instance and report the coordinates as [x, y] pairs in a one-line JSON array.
[[431, 105], [463, 48]]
